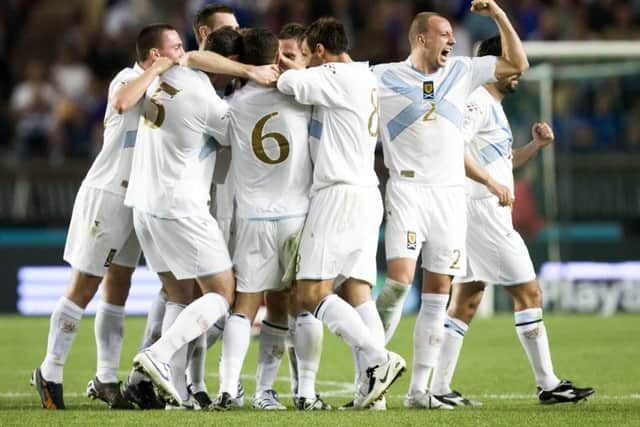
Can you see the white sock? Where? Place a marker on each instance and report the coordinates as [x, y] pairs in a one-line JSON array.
[[179, 358], [533, 337], [235, 344], [272, 337], [390, 303], [291, 354], [215, 332], [196, 318], [427, 339], [109, 332], [63, 328], [369, 315], [153, 328], [196, 364], [344, 321], [454, 330], [307, 342]]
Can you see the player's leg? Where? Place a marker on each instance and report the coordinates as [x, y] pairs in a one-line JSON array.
[[109, 333], [465, 299], [427, 338], [358, 294], [235, 344], [273, 333], [527, 301], [402, 242], [63, 328], [304, 355]]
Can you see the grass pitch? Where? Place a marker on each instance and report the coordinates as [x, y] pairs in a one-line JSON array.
[[590, 350]]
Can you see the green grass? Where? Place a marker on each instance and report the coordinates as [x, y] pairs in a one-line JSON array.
[[591, 350]]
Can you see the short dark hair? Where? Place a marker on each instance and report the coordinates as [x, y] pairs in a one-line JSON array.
[[150, 37], [330, 33], [224, 41], [491, 46], [420, 25], [206, 12], [292, 30], [259, 47]]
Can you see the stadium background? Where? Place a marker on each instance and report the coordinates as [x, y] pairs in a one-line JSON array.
[[70, 49], [57, 57]]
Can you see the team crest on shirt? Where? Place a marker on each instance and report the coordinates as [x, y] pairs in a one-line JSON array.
[[412, 240], [112, 253], [427, 91]]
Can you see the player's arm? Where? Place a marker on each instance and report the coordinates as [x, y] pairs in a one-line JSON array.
[[130, 93], [211, 62], [478, 174], [310, 86], [513, 59], [542, 135]]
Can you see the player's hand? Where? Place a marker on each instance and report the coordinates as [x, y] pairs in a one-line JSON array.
[[162, 64], [542, 134], [184, 59], [265, 75], [502, 192], [485, 7], [288, 64]]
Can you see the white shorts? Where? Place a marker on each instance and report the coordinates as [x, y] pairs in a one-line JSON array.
[[188, 247], [428, 219], [496, 252], [340, 237], [266, 253], [100, 233]]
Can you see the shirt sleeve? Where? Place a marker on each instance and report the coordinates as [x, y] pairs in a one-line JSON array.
[[217, 118], [483, 70], [312, 86], [474, 117]]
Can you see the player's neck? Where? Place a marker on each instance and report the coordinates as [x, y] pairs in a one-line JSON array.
[[341, 57], [493, 90], [419, 62]]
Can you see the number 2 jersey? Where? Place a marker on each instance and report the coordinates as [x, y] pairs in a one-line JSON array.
[[268, 134], [172, 162], [344, 122], [422, 117]]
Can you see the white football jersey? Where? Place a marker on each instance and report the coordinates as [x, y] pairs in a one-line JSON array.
[[344, 121], [489, 140], [271, 166], [422, 116], [172, 162], [111, 168]]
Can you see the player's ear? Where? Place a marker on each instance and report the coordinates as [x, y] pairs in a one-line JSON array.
[[154, 53], [319, 50]]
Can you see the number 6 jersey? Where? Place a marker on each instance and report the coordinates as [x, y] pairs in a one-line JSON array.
[[268, 134]]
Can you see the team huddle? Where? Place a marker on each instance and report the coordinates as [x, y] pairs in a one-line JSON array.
[[285, 127]]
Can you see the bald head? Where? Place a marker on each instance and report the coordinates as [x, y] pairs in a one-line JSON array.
[[420, 25]]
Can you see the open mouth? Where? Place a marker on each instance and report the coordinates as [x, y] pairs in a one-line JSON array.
[[445, 54]]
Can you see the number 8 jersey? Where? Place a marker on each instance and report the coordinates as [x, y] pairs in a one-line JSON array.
[[268, 134], [421, 118]]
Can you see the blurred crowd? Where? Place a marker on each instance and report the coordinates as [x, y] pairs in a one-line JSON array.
[[58, 56]]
